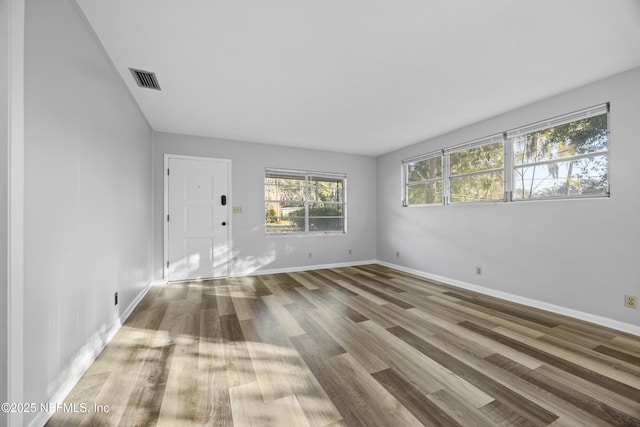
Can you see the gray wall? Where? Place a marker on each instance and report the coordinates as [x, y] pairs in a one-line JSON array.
[[87, 196], [579, 254], [255, 250], [4, 205]]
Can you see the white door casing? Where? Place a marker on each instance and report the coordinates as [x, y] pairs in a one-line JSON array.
[[197, 243]]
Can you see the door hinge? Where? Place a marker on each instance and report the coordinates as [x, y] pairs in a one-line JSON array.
[[167, 217], [167, 171], [167, 264]]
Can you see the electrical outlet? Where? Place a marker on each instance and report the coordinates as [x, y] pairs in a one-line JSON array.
[[478, 271], [631, 301], [115, 299], [310, 255], [397, 254], [237, 209], [349, 251]]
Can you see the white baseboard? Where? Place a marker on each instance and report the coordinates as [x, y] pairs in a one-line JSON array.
[[160, 282], [85, 357], [127, 312], [588, 317], [309, 268]]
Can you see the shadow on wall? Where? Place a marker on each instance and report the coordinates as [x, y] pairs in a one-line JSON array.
[[293, 248], [234, 263], [201, 264], [249, 264], [245, 266], [224, 263]]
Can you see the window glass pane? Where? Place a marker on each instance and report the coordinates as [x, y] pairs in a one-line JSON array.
[[326, 224], [325, 209], [585, 176], [425, 193], [567, 140], [476, 159], [298, 202], [320, 193], [284, 180], [281, 217], [425, 169], [326, 182], [474, 188], [284, 190]]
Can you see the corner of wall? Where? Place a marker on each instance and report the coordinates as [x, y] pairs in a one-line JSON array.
[[13, 19], [541, 305]]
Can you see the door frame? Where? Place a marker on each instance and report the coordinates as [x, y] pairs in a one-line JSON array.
[[165, 252]]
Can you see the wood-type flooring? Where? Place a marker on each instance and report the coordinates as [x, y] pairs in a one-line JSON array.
[[354, 346]]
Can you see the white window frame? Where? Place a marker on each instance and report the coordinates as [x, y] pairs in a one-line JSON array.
[[510, 137], [405, 173], [488, 140], [509, 167], [309, 175]]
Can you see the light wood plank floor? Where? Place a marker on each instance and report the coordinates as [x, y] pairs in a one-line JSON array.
[[354, 346]]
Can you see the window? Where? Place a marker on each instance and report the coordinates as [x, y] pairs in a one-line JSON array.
[[476, 171], [563, 157], [304, 202], [423, 182]]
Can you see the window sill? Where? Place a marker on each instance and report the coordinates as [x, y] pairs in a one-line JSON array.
[[311, 234]]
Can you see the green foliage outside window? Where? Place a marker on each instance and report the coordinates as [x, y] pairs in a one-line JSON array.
[[567, 168], [484, 183], [293, 201], [545, 160], [425, 181]]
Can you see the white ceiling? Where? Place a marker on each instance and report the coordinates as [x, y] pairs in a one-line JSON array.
[[357, 76]]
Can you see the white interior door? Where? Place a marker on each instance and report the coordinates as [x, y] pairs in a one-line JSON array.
[[197, 222]]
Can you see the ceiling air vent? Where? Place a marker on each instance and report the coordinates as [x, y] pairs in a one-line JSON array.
[[145, 79]]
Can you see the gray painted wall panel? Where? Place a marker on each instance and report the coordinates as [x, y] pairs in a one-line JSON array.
[[4, 201], [256, 251], [87, 196], [578, 254]]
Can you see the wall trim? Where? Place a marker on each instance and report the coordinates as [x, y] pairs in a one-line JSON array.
[[308, 268], [15, 226], [85, 357], [160, 282], [580, 315]]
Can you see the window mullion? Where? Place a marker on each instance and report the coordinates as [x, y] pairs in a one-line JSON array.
[[445, 178], [405, 184], [608, 189], [306, 204], [508, 168], [589, 177], [475, 173], [561, 159], [426, 181]]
